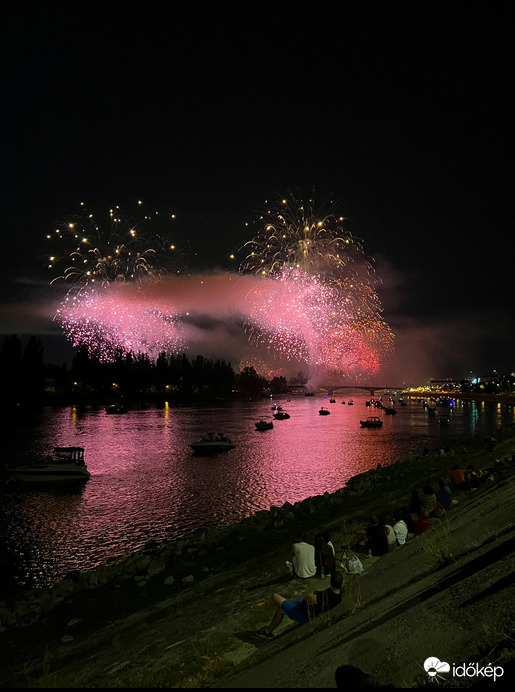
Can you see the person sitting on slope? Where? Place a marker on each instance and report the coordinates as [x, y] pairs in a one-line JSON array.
[[301, 610]]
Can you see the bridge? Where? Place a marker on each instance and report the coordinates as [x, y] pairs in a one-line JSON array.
[[332, 388]]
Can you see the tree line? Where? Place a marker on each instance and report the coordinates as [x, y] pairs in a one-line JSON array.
[[27, 379]]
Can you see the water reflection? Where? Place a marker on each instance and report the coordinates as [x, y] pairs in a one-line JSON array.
[[146, 483]]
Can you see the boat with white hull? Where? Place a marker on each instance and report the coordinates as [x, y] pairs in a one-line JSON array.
[[64, 465]]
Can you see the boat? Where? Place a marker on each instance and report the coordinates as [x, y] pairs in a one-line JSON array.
[[275, 407], [324, 412], [213, 442], [64, 465], [309, 394], [389, 410], [343, 402], [281, 415], [264, 425], [332, 401], [372, 422], [116, 408], [350, 403]]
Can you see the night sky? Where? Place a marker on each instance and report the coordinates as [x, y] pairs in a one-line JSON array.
[[207, 109]]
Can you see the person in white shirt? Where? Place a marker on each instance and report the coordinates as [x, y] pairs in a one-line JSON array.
[[390, 533], [303, 560], [400, 530]]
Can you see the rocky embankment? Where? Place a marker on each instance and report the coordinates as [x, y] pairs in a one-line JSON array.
[[183, 614]]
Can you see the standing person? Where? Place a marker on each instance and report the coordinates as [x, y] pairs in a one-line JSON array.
[[303, 560], [301, 610]]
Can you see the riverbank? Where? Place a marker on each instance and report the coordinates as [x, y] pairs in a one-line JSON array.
[[197, 629]]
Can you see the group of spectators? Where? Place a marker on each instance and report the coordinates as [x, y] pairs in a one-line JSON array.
[[307, 561], [381, 535], [384, 534]]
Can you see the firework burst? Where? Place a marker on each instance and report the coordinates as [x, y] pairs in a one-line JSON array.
[[97, 253], [96, 260], [317, 302], [119, 319]]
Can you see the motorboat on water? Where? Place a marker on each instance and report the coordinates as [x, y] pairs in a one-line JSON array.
[[64, 465], [372, 422], [281, 415], [116, 408], [390, 410], [324, 412], [213, 442], [264, 425], [350, 402]]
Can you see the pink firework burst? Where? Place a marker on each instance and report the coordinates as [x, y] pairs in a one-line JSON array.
[[109, 321], [317, 301]]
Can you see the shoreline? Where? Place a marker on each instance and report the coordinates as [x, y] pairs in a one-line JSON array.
[[117, 555], [127, 591]]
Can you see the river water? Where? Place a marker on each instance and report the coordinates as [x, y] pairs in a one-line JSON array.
[[147, 485]]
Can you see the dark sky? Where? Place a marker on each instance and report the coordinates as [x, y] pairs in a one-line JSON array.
[[206, 109]]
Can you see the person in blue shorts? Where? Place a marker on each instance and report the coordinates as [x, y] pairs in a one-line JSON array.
[[301, 610]]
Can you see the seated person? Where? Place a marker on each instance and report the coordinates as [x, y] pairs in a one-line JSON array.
[[415, 506], [400, 528], [459, 478], [327, 537], [473, 478], [324, 555], [390, 533], [303, 609], [427, 501], [373, 538], [303, 560], [444, 494]]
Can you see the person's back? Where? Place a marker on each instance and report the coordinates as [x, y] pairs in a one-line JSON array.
[[329, 542], [329, 598], [415, 502], [427, 502], [473, 478], [458, 477], [390, 534], [444, 494], [303, 559], [400, 529], [377, 541]]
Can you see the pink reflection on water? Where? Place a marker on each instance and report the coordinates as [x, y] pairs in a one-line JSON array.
[[146, 484]]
